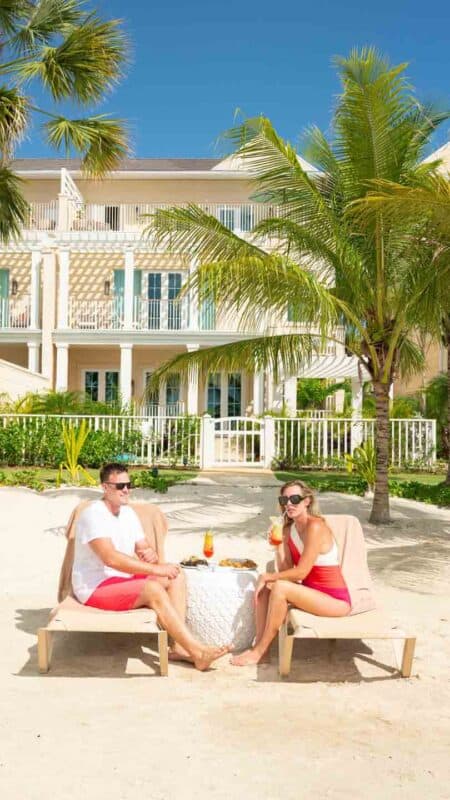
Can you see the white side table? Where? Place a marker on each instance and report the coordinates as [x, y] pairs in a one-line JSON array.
[[220, 605]]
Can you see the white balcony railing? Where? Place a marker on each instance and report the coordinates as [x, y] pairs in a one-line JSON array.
[[161, 315], [96, 314], [133, 217], [15, 312], [42, 216]]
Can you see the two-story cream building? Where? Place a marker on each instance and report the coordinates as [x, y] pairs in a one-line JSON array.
[[91, 305]]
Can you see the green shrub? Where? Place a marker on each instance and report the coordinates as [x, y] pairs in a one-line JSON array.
[[438, 493], [32, 445], [364, 463], [145, 480], [103, 446]]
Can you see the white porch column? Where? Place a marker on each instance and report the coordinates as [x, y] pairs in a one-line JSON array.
[[33, 356], [63, 289], [290, 395], [357, 401], [62, 367], [36, 258], [126, 369], [128, 289], [258, 392], [48, 312], [192, 385]]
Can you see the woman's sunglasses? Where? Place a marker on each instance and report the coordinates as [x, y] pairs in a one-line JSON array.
[[121, 485], [295, 499]]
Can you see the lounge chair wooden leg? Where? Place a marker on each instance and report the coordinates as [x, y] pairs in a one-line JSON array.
[[44, 649], [163, 653], [285, 645], [407, 658]]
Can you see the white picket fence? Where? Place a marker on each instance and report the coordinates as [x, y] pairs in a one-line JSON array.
[[228, 442]]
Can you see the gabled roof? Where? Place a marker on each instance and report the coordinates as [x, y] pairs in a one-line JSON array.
[[441, 154], [127, 165]]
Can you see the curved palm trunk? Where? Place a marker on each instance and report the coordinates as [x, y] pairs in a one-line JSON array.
[[380, 508], [447, 480]]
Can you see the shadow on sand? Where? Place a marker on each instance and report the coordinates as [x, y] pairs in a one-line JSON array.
[[328, 661], [92, 655]]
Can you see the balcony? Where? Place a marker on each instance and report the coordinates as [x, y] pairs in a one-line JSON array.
[[15, 313], [107, 219]]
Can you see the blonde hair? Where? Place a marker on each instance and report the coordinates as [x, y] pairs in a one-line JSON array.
[[313, 508]]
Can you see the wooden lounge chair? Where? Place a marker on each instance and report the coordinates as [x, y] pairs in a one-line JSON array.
[[365, 620], [70, 616]]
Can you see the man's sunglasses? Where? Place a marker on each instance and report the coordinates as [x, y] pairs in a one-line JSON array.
[[121, 485], [295, 499]]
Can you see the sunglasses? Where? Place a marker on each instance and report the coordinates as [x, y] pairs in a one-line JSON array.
[[121, 485], [295, 499]]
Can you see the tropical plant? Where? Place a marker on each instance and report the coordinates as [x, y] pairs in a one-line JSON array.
[[74, 439], [312, 392], [331, 266], [430, 203], [65, 50], [363, 463]]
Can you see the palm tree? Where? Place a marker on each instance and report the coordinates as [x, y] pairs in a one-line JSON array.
[[59, 47], [429, 202], [325, 261]]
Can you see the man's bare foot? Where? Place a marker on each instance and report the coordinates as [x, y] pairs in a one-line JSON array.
[[178, 653], [246, 658], [207, 655]]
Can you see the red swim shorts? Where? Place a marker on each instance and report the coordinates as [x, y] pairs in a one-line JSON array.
[[118, 594]]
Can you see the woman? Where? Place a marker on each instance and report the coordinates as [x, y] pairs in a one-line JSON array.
[[309, 576]]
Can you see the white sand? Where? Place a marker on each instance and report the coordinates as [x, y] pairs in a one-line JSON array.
[[101, 724]]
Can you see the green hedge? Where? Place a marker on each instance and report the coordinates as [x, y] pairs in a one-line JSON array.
[[438, 494], [30, 446]]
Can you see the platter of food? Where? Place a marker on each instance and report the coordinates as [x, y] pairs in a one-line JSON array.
[[193, 562], [238, 563]]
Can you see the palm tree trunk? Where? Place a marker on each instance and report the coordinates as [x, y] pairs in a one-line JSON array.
[[380, 508], [447, 432]]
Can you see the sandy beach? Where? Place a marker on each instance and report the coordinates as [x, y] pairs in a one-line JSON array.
[[103, 724]]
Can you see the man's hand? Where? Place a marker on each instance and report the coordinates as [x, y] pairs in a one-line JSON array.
[[148, 554], [166, 570]]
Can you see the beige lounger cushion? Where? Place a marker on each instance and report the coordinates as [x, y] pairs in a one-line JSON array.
[[73, 616], [371, 625]]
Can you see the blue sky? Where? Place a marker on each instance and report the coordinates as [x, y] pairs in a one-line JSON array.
[[194, 63]]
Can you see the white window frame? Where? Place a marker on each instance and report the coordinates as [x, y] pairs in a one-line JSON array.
[[101, 380], [224, 393]]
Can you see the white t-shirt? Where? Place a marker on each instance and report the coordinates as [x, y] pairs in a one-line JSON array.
[[97, 522]]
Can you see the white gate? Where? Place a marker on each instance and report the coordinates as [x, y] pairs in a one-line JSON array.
[[238, 442]]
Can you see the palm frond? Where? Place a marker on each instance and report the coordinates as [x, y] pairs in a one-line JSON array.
[[13, 119], [410, 358], [101, 141], [282, 354], [191, 230], [12, 14], [84, 66], [43, 20], [13, 206]]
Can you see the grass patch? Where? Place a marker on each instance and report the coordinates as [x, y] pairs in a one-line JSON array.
[[46, 478], [424, 487]]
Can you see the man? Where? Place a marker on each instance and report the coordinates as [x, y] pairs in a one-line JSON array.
[[115, 569]]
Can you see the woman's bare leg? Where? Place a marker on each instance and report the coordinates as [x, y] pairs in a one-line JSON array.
[[153, 595], [283, 593]]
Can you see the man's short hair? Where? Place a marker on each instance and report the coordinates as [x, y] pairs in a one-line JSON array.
[[111, 469]]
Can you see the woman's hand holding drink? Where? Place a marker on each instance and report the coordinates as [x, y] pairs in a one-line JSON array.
[[276, 531]]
